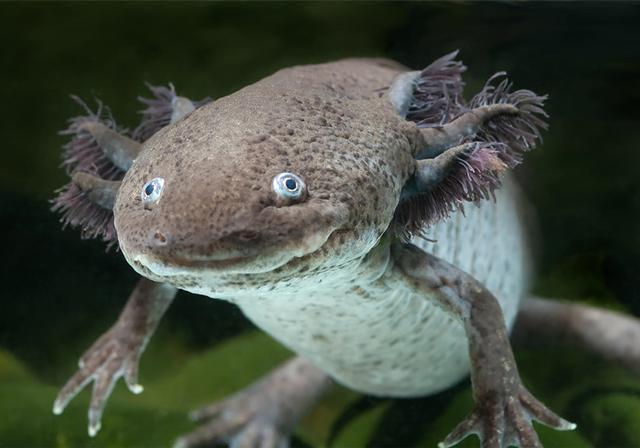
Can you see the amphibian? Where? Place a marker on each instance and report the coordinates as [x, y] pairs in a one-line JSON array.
[[326, 201]]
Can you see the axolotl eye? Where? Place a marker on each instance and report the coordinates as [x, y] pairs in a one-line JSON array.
[[151, 191], [288, 186]]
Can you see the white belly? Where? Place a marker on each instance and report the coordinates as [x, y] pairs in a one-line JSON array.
[[383, 340]]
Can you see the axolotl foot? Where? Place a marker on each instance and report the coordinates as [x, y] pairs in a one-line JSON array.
[[264, 414], [117, 352], [504, 408], [506, 421]]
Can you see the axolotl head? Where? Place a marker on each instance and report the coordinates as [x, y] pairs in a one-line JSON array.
[[284, 176]]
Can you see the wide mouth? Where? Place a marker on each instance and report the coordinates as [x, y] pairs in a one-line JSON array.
[[207, 258], [177, 266], [162, 266]]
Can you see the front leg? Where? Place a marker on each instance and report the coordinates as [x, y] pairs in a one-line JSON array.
[[504, 407], [117, 352], [264, 414]]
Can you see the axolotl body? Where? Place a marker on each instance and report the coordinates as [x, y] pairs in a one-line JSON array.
[[314, 273], [326, 201]]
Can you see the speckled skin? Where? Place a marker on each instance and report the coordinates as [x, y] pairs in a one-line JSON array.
[[372, 333], [316, 274]]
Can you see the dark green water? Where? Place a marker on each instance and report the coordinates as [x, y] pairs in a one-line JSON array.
[[59, 293]]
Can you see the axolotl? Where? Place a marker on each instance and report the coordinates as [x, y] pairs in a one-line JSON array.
[[328, 203]]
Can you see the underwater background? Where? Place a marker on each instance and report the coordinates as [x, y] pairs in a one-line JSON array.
[[59, 293]]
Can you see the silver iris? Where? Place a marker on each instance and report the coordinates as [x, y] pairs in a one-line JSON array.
[[288, 186], [151, 191]]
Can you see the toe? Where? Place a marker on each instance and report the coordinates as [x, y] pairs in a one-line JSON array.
[[542, 414], [249, 437], [217, 431], [468, 426], [208, 412], [520, 429]]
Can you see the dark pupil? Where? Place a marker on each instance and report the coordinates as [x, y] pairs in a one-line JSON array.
[[290, 184], [149, 189]]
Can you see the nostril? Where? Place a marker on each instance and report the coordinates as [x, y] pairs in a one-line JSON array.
[[159, 239], [246, 236]]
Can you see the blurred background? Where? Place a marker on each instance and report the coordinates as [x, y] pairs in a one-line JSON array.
[[59, 293]]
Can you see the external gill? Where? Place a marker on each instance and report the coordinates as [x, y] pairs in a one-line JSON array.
[[97, 150], [78, 208], [437, 92], [99, 191], [83, 152], [466, 146], [465, 173], [521, 131], [120, 150], [164, 108], [440, 138], [477, 162], [98, 156]]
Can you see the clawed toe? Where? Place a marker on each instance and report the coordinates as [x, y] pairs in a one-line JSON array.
[[243, 420], [207, 412], [507, 422], [464, 429], [542, 414], [257, 433], [262, 415]]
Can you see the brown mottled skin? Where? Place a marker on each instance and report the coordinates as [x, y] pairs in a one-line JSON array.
[[315, 121], [306, 265]]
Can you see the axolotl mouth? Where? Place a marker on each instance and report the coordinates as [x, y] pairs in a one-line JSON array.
[[164, 266]]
